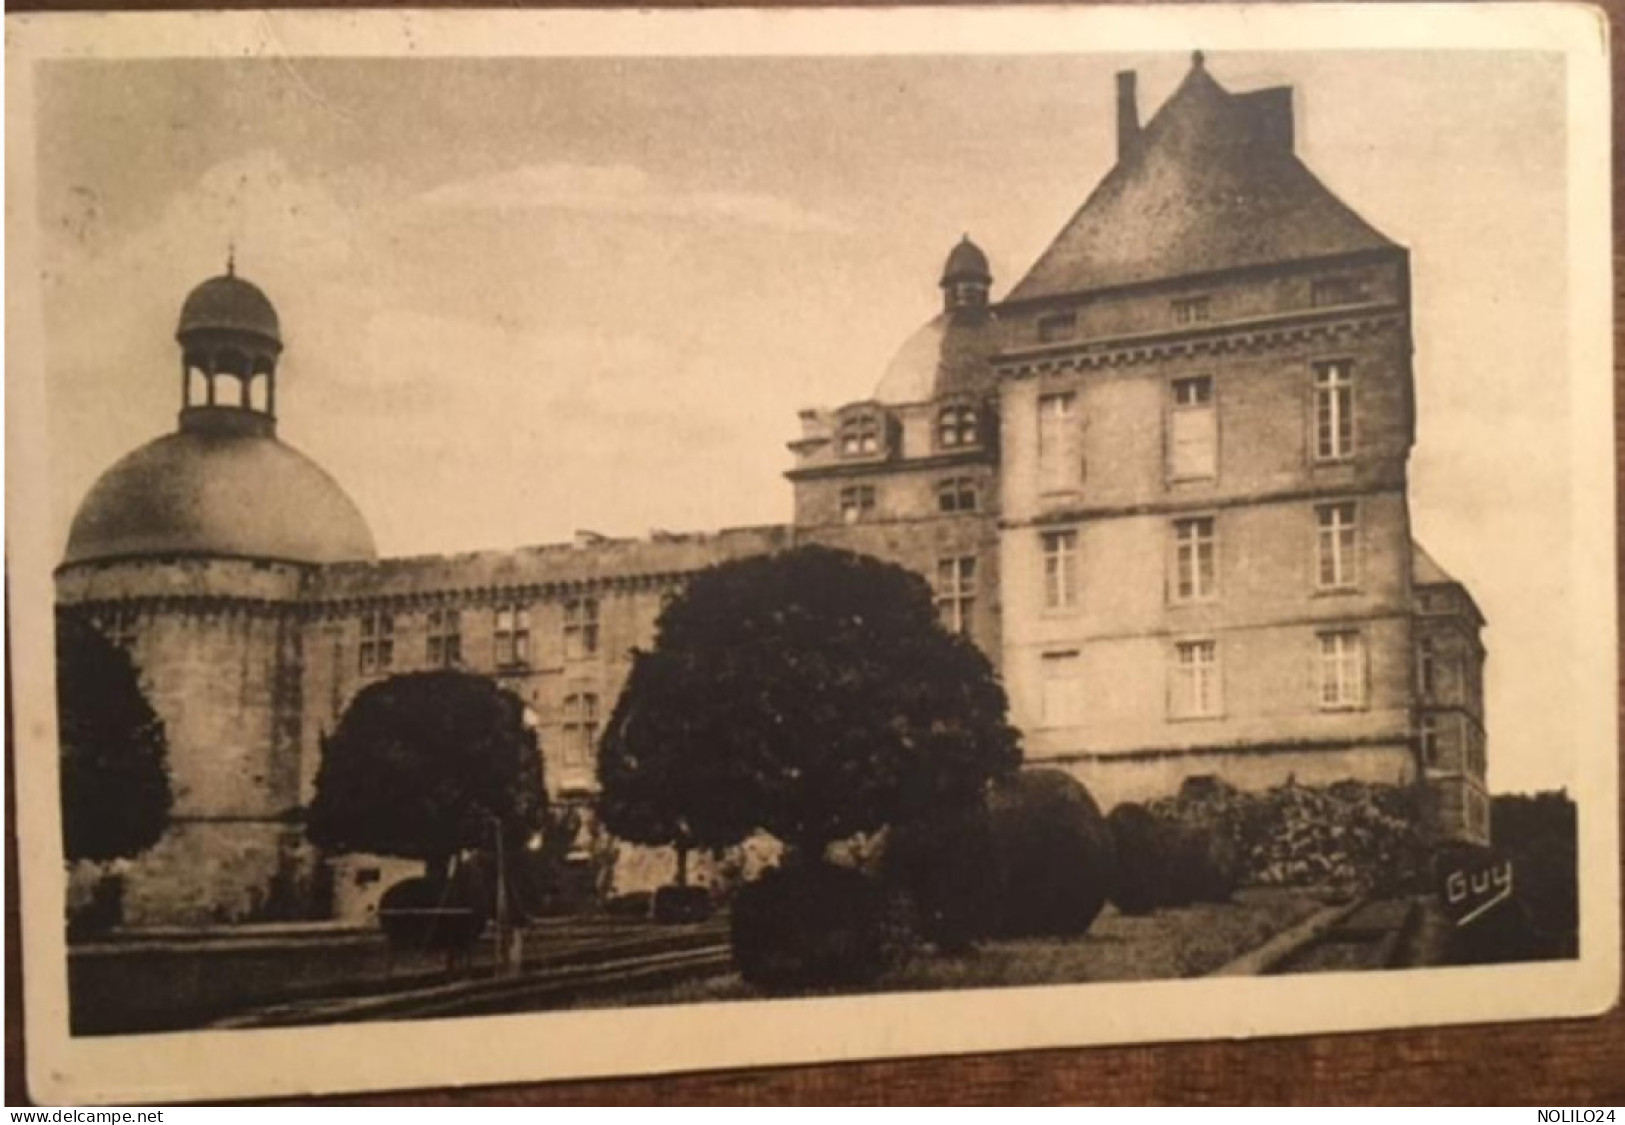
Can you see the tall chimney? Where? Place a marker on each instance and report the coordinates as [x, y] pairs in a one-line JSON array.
[[1128, 114]]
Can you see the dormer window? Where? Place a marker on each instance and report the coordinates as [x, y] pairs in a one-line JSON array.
[[860, 434], [956, 427], [1057, 327], [1192, 310]]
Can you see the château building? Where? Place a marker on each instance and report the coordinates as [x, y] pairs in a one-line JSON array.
[[1162, 483]]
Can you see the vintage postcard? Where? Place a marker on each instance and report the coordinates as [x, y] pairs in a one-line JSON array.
[[560, 544]]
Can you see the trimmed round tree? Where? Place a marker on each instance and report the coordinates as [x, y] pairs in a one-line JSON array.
[[812, 695], [1054, 852], [428, 764], [114, 771]]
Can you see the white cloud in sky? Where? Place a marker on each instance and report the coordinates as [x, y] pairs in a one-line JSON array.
[[626, 190]]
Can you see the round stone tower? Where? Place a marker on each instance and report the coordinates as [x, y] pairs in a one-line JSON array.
[[195, 552]]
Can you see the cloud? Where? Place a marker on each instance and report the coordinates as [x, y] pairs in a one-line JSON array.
[[625, 190]]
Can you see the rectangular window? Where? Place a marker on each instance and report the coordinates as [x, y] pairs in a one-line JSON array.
[[511, 638], [1193, 431], [1195, 559], [1337, 546], [956, 427], [1195, 692], [1427, 668], [1059, 464], [956, 494], [1060, 569], [860, 435], [1428, 739], [1192, 310], [1062, 702], [1334, 410], [580, 628], [956, 592], [445, 638], [857, 502], [581, 725], [1053, 329], [377, 652], [1342, 669]]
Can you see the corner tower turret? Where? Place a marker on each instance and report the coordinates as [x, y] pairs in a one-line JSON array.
[[910, 474], [195, 552], [230, 340]]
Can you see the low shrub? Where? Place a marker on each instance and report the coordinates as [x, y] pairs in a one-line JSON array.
[[634, 904], [1203, 865], [1141, 844], [944, 867], [100, 912], [1053, 854], [1349, 833], [1536, 835], [814, 926], [426, 913], [675, 905]]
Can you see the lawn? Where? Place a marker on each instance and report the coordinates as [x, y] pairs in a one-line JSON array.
[[1187, 942]]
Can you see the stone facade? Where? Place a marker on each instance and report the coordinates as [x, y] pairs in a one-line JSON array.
[[1162, 484]]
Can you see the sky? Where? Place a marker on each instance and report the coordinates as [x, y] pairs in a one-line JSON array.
[[523, 297]]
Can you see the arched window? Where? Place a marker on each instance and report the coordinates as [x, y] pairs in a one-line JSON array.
[[956, 427]]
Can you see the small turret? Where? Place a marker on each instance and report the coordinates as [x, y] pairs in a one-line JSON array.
[[229, 330], [966, 277]]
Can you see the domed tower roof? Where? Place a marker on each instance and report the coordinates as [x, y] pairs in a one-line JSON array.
[[223, 485], [218, 494], [229, 304], [949, 354], [966, 262]]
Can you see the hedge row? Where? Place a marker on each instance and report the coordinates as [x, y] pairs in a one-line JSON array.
[[1039, 859], [1350, 832], [1162, 863]]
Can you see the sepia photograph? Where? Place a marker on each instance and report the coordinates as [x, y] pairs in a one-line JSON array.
[[569, 545]]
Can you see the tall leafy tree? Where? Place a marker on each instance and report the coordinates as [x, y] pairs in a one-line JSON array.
[[428, 764], [810, 694], [114, 769]]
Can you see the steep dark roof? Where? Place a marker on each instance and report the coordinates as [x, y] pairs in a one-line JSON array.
[[1425, 571], [1211, 183]]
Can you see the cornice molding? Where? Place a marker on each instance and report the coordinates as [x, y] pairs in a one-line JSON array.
[[1317, 326]]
